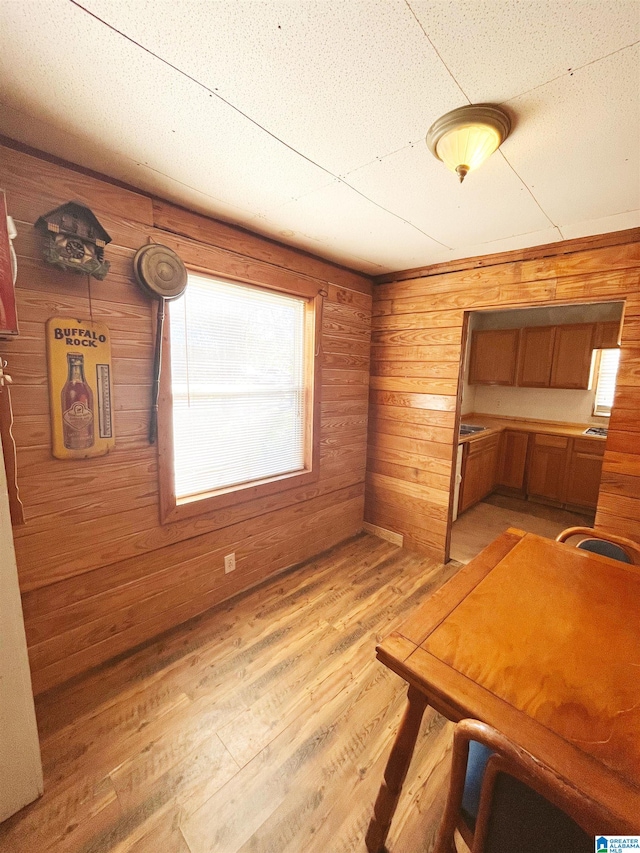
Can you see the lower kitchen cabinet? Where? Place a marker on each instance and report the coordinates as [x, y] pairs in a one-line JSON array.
[[479, 468], [547, 467], [558, 469], [583, 473], [512, 461]]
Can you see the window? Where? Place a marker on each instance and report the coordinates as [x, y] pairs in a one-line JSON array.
[[242, 369], [606, 382]]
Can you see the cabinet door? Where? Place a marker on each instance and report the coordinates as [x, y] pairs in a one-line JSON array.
[[547, 467], [607, 335], [513, 459], [572, 353], [494, 354], [479, 470], [536, 356], [584, 473]]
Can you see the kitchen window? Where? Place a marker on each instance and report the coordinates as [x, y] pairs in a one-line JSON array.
[[608, 361], [243, 397]]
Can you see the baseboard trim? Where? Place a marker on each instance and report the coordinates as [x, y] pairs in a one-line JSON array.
[[383, 533]]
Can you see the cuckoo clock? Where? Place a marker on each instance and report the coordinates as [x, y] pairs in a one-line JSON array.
[[75, 240]]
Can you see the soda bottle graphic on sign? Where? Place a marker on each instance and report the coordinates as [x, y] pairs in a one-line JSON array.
[[77, 406]]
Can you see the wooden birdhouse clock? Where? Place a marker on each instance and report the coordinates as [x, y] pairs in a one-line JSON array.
[[75, 240]]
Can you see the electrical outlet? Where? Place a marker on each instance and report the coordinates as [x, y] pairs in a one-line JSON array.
[[229, 563]]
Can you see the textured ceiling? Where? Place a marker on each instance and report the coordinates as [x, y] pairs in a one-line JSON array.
[[306, 120]]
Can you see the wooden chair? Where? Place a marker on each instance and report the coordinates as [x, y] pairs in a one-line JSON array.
[[524, 806], [603, 543]]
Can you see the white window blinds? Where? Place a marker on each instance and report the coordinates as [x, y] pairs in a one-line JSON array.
[[606, 385], [237, 377]]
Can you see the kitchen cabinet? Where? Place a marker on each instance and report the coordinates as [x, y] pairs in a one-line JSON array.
[[479, 469], [607, 335], [572, 352], [547, 467], [535, 356], [563, 470], [583, 473], [539, 356], [512, 460], [494, 355]]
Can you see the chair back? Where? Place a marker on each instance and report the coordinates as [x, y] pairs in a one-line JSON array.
[[605, 549], [524, 806], [604, 543]]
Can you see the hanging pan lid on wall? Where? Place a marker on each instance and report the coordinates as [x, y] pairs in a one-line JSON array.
[[159, 271], [162, 275]]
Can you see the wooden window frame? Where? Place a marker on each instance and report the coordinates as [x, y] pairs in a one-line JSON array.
[[174, 509]]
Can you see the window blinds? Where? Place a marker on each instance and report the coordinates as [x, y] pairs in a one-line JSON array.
[[606, 385], [237, 377]]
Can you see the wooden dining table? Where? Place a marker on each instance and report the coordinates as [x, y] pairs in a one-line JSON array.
[[542, 641]]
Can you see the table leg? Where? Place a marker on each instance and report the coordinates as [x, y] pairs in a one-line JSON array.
[[396, 771]]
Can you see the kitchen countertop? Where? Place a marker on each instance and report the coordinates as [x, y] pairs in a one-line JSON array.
[[496, 425]]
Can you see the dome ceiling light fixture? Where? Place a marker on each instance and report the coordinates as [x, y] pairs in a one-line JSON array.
[[464, 138]]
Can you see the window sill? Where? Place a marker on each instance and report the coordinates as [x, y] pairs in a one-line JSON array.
[[210, 502]]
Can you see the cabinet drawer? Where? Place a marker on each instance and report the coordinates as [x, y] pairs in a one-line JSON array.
[[585, 445], [480, 445], [542, 440]]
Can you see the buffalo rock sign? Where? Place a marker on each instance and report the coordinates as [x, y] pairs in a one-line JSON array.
[[80, 388]]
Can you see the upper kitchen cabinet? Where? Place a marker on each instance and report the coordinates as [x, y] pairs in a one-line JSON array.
[[551, 356], [572, 351], [494, 357], [536, 356], [607, 335]]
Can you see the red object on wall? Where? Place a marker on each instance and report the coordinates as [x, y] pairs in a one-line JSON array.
[[8, 315]]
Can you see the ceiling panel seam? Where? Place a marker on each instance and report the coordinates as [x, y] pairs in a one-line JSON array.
[[570, 72], [437, 52], [256, 123]]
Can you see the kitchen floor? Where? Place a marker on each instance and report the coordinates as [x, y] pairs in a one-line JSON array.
[[481, 524]]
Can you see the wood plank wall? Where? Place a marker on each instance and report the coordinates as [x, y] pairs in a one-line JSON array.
[[415, 360], [99, 573]]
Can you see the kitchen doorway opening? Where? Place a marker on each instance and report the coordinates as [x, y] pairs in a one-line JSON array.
[[536, 393]]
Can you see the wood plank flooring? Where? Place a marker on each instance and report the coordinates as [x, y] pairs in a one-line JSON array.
[[261, 727], [485, 521]]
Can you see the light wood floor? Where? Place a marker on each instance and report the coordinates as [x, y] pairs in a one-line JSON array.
[[481, 524], [262, 727]]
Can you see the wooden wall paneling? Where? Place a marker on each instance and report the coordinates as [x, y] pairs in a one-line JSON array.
[[621, 463], [93, 549], [535, 253], [419, 337], [384, 421], [125, 536], [411, 307], [599, 285], [98, 590], [425, 320], [99, 617], [171, 218], [37, 179], [340, 526], [627, 484]]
